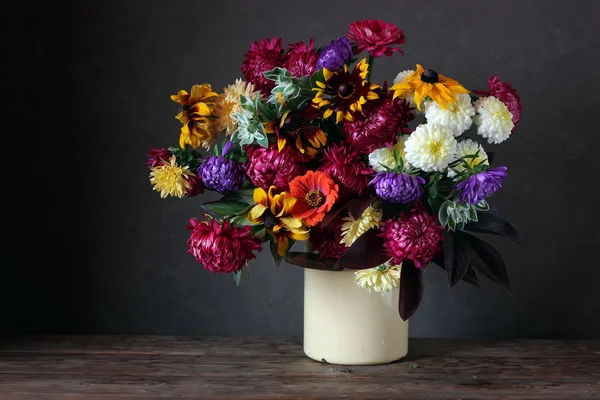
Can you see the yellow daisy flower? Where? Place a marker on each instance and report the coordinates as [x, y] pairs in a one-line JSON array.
[[353, 228], [171, 179]]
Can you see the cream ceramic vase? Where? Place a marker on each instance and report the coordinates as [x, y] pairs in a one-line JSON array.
[[345, 324]]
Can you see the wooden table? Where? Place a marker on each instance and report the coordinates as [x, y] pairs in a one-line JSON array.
[[165, 367]]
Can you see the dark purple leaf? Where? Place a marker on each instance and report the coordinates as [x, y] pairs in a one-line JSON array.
[[490, 157], [493, 224], [366, 252], [358, 206], [488, 261], [312, 261], [470, 276], [334, 212], [411, 289], [448, 247], [391, 210], [462, 257]]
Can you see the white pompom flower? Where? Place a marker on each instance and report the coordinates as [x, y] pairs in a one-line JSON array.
[[468, 148], [431, 148], [382, 160], [458, 116], [494, 120], [401, 77]]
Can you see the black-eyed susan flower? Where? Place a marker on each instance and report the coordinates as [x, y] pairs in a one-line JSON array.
[[294, 127], [428, 83], [195, 115], [344, 92]]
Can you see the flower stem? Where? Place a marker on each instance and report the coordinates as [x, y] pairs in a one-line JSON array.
[[370, 61]]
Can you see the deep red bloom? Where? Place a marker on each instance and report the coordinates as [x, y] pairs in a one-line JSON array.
[[505, 93], [269, 166], [221, 248], [157, 156], [301, 59], [414, 235], [375, 36], [263, 56], [326, 240], [378, 125], [196, 185], [345, 165]]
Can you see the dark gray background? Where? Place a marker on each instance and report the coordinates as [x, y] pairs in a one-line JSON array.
[[89, 247]]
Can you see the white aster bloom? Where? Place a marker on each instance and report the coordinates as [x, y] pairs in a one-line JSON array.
[[431, 147], [468, 148], [401, 77], [380, 279], [493, 119], [383, 158], [458, 118]]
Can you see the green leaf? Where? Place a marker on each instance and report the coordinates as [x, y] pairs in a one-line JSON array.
[[432, 190], [237, 277], [443, 214], [317, 76], [247, 104], [224, 208], [246, 195]]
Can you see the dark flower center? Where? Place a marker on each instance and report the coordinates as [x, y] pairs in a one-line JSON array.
[[345, 89], [429, 76], [314, 198], [269, 219], [291, 122]]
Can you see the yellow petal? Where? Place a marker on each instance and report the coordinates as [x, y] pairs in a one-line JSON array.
[[299, 236], [281, 143], [327, 113], [327, 74], [282, 244], [320, 84], [291, 223], [280, 98], [260, 196], [182, 97], [339, 116], [256, 212]]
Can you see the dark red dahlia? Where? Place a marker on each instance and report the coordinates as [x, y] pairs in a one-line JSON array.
[[263, 56], [326, 240], [345, 165], [376, 36], [157, 156], [196, 186], [269, 166], [378, 124], [301, 59], [415, 235], [505, 93]]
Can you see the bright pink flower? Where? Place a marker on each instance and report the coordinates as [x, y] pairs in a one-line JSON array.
[[376, 36], [345, 165], [269, 166], [414, 235], [301, 59], [379, 124], [505, 93], [326, 240], [221, 248], [263, 56], [157, 156]]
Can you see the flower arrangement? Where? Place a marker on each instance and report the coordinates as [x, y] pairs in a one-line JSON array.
[[381, 179]]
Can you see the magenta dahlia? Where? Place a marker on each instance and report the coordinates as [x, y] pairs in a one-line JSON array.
[[376, 36], [157, 156], [414, 235], [345, 165], [263, 56], [327, 240], [378, 125], [269, 166], [221, 248], [505, 93], [301, 59]]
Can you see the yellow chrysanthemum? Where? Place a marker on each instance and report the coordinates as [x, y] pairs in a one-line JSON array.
[[380, 279], [423, 83], [229, 102], [275, 212], [171, 179], [353, 228], [195, 116]]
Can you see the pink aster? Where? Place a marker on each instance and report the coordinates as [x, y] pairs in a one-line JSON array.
[[301, 59], [263, 56], [376, 36], [270, 167], [221, 248], [505, 93], [345, 165], [158, 156], [414, 235]]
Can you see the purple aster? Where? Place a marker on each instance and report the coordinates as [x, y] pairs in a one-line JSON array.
[[398, 188], [333, 56], [222, 174], [481, 185]]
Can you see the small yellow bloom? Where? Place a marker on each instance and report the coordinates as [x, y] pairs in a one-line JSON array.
[[196, 117], [171, 179], [275, 212], [422, 83], [380, 279], [228, 103], [353, 228]]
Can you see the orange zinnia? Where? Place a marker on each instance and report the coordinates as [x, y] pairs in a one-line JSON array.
[[316, 192]]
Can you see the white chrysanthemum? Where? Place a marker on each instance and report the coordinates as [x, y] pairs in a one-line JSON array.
[[430, 148], [380, 279], [493, 119], [468, 148], [381, 159], [401, 77], [458, 117]]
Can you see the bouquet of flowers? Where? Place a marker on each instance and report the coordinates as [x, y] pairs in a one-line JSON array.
[[377, 178]]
